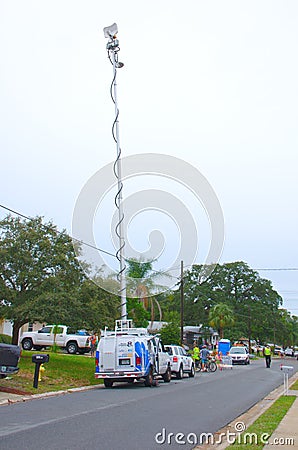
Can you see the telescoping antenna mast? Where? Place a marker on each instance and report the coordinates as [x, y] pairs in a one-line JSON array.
[[113, 49]]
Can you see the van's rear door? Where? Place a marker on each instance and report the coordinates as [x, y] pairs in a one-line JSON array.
[[125, 353], [108, 353]]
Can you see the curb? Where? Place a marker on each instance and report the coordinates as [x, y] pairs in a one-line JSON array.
[[247, 418]]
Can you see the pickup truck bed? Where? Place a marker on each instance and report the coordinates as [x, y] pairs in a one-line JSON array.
[[9, 359]]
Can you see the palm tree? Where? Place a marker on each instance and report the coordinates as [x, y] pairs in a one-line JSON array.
[[221, 316], [140, 275]]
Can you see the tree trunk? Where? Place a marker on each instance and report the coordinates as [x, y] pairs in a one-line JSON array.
[[15, 332]]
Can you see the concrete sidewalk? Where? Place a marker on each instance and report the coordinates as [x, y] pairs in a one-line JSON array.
[[286, 434], [6, 398]]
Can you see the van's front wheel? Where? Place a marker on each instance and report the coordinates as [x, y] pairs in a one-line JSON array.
[[167, 376]]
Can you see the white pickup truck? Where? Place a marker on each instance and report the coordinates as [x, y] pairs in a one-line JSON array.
[[45, 337]]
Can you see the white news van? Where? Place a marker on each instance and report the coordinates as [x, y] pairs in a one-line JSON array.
[[128, 354]]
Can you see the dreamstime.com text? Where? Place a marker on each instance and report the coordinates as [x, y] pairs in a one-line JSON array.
[[238, 436]]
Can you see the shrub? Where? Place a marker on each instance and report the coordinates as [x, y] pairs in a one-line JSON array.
[[5, 339]]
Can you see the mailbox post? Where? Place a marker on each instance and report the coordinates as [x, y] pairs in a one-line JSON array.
[[286, 370], [38, 360]]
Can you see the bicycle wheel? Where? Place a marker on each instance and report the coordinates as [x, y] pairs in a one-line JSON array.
[[212, 366]]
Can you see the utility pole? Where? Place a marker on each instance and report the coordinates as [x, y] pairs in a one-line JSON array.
[[249, 329], [181, 303]]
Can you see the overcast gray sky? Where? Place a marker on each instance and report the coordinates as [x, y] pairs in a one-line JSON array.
[[212, 83]]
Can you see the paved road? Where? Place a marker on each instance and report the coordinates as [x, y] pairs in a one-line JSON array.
[[129, 417]]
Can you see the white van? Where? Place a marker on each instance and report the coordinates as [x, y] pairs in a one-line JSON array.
[[128, 354]]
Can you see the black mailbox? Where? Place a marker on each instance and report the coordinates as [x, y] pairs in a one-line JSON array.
[[38, 360], [41, 359]]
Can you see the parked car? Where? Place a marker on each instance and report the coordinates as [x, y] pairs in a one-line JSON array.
[[239, 355], [9, 359], [289, 351], [181, 362], [278, 350]]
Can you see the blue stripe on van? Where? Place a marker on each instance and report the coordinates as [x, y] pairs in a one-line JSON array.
[[97, 359]]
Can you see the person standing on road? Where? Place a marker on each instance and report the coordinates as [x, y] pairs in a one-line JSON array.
[[196, 355], [204, 353], [267, 354]]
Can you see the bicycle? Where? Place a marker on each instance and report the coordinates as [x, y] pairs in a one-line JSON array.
[[209, 366]]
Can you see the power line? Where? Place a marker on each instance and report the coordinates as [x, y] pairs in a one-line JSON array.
[[262, 269], [280, 269], [58, 232]]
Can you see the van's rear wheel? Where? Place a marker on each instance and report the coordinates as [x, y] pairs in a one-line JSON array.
[[149, 378], [108, 383]]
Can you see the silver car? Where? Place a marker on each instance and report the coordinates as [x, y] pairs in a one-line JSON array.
[[239, 355]]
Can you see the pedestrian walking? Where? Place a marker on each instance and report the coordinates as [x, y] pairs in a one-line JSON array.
[[267, 354]]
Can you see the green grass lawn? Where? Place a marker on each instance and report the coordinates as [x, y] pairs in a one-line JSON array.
[[63, 371], [266, 423], [295, 386]]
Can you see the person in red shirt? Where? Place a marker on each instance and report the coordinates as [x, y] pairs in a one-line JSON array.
[[93, 342]]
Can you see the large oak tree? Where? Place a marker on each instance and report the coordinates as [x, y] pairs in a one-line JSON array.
[[253, 300], [39, 273]]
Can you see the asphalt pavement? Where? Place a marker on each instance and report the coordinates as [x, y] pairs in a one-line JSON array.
[[135, 417]]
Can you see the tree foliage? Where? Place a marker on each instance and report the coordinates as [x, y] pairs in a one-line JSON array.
[[98, 308], [140, 276], [39, 273], [140, 289], [221, 316], [41, 280], [170, 333], [254, 302], [137, 312]]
